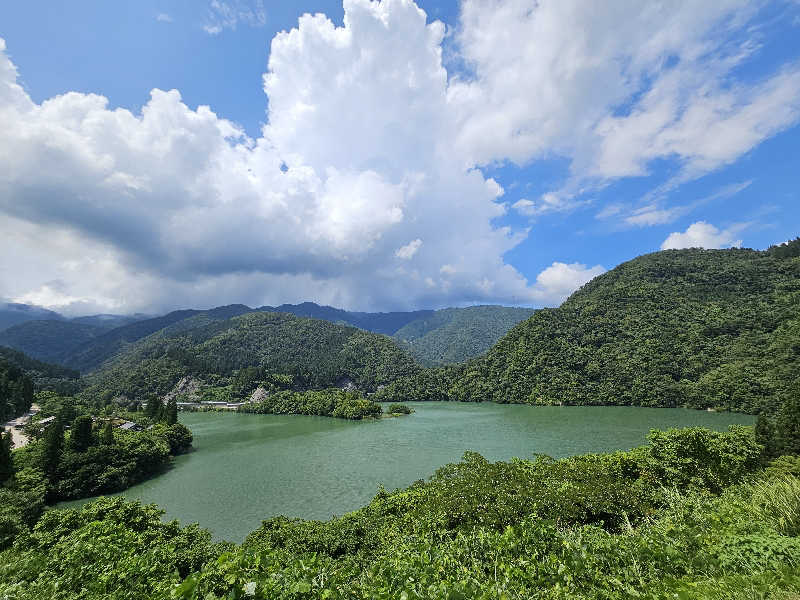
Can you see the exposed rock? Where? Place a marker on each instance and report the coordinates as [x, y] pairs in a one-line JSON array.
[[187, 390], [258, 395]]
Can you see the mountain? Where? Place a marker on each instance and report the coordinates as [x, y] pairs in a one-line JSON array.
[[312, 353], [697, 328], [107, 322], [386, 323], [50, 341], [92, 354], [453, 335], [14, 313]]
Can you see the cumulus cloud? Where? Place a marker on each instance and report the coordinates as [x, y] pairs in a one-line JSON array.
[[369, 148], [174, 206], [559, 280], [704, 235], [163, 18]]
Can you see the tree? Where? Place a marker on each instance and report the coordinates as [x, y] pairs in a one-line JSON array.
[[107, 437], [81, 436], [154, 407], [171, 413], [787, 425], [6, 461], [765, 435], [53, 447]]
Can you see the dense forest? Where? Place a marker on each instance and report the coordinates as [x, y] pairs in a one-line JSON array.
[[692, 515], [697, 328], [50, 341], [453, 335], [314, 354], [16, 391], [335, 403]]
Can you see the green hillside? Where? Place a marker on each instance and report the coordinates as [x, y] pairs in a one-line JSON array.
[[453, 335], [51, 341], [697, 328], [311, 353]]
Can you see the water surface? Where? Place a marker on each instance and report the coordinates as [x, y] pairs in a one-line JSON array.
[[249, 467]]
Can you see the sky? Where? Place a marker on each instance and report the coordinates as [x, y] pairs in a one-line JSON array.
[[384, 155]]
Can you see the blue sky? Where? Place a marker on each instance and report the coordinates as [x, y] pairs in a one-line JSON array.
[[608, 140]]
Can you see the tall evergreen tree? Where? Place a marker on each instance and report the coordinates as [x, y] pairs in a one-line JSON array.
[[81, 434], [154, 407], [765, 435], [6, 461], [53, 447], [107, 437], [787, 425], [171, 413]]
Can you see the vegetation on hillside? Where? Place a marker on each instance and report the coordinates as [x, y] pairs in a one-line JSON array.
[[336, 403], [50, 341], [453, 335], [697, 328], [313, 354], [691, 515], [16, 391]]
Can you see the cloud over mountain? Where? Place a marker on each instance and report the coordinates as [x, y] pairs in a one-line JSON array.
[[362, 189]]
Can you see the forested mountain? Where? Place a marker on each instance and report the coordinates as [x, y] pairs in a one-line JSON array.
[[12, 313], [92, 354], [16, 391], [453, 335], [311, 353], [699, 328], [386, 323], [51, 341]]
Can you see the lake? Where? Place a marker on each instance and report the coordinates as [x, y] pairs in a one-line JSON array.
[[245, 468]]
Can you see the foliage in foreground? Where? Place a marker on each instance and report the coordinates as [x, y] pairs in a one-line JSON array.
[[644, 523]]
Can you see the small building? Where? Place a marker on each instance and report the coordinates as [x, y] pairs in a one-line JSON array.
[[130, 426]]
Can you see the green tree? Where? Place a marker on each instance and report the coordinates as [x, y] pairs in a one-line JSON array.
[[787, 425], [154, 407], [171, 413], [81, 435], [53, 447], [6, 462], [765, 435], [107, 437]]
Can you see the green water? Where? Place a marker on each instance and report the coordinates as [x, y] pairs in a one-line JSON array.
[[249, 467]]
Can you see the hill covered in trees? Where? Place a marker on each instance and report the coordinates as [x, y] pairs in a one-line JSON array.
[[305, 353], [697, 328], [433, 337], [453, 335], [48, 340]]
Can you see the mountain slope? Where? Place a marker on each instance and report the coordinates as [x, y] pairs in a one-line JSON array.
[[50, 341], [314, 353], [385, 323], [453, 335], [95, 352], [697, 328], [14, 313]]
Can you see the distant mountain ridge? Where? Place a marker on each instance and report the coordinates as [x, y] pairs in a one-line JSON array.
[[453, 335], [433, 337]]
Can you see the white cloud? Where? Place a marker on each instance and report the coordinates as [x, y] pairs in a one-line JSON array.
[[163, 18], [409, 250], [369, 144], [559, 280], [228, 14], [176, 206], [704, 235], [614, 86]]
